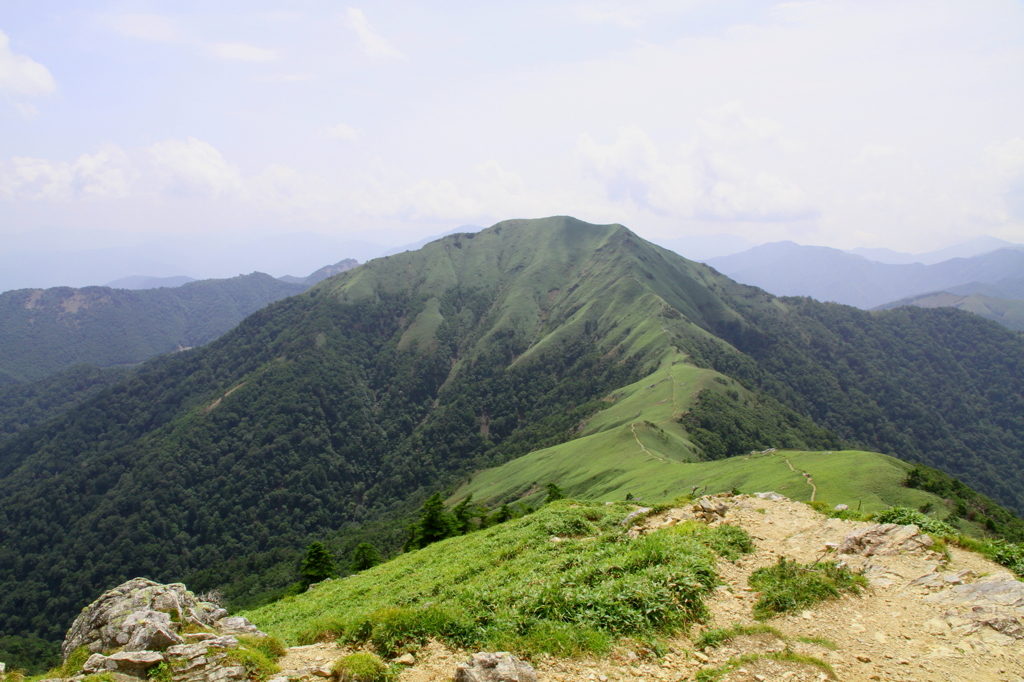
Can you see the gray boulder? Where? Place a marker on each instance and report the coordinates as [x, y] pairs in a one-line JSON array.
[[495, 667], [149, 631], [102, 625]]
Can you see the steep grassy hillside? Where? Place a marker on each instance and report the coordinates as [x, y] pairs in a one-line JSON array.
[[43, 331]]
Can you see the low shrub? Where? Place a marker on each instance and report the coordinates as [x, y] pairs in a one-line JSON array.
[[789, 586], [361, 666], [906, 516]]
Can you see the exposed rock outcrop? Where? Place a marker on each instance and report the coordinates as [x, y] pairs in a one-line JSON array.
[[883, 539], [495, 667], [138, 625]]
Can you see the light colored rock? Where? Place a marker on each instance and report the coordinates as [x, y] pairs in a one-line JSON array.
[[406, 659], [238, 625], [98, 663], [773, 496], [101, 625], [841, 507], [885, 539], [132, 661], [495, 667], [633, 514], [149, 631]]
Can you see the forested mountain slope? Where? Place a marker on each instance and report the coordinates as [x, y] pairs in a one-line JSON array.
[[43, 331], [330, 410]]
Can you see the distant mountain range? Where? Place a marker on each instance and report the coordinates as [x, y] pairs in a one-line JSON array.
[[143, 282], [789, 269], [43, 331], [968, 249], [1007, 312], [323, 273]]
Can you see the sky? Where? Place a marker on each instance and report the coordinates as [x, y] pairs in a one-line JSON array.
[[890, 123]]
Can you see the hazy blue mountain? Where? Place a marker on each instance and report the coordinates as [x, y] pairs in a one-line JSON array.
[[145, 282], [423, 242], [1012, 287], [968, 249], [49, 258], [789, 269], [323, 273]]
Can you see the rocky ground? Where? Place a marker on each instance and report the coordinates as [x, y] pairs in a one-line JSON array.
[[923, 618]]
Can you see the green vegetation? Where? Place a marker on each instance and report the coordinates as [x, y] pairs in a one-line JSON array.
[[905, 517], [788, 655], [43, 331], [362, 666], [257, 655], [564, 580], [790, 586], [317, 565], [719, 636], [364, 556]]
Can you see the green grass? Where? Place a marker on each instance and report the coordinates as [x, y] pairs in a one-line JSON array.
[[719, 636], [361, 666], [714, 674], [513, 587], [789, 586]]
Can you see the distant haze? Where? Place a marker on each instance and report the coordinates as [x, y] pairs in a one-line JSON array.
[[200, 131]]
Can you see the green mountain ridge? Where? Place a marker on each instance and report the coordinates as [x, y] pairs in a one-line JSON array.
[[43, 331], [337, 411], [1007, 312]]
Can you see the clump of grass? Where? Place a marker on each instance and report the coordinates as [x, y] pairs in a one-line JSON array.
[[566, 580], [906, 517], [820, 641], [557, 639], [257, 657], [13, 675], [719, 636], [789, 586], [361, 666], [271, 647], [1009, 554], [72, 665], [714, 674]]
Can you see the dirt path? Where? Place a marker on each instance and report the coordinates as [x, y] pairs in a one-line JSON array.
[[807, 479]]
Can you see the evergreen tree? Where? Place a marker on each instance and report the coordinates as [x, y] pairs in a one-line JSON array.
[[554, 493], [462, 516], [317, 565], [435, 523], [503, 514], [364, 556]]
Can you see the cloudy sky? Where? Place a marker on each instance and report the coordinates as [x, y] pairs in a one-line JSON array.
[[862, 123]]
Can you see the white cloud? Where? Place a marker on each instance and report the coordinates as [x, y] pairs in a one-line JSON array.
[[20, 75], [631, 15], [145, 26], [107, 174], [194, 168], [873, 150], [727, 172], [244, 52], [343, 131], [1006, 160], [373, 44]]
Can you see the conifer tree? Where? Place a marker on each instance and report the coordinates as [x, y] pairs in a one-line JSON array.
[[554, 493], [317, 565], [435, 524], [364, 556], [462, 516]]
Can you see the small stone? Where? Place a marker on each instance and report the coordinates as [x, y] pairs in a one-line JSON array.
[[322, 671], [807, 615], [760, 678], [700, 657], [406, 659], [863, 659]]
